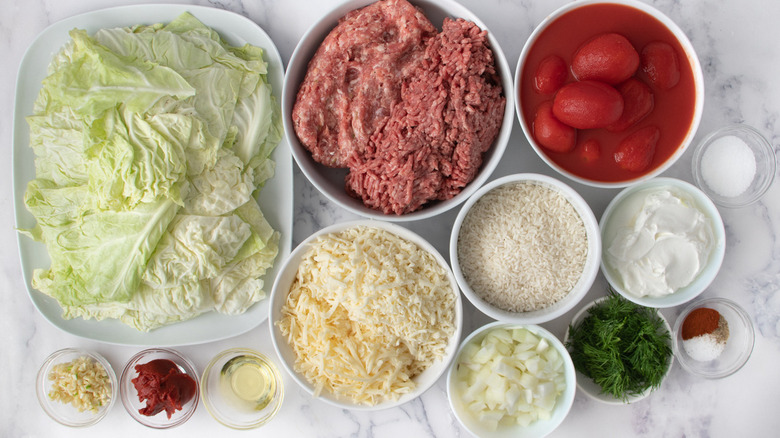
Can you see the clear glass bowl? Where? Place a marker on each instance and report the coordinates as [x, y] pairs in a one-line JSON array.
[[223, 404], [65, 413], [739, 345], [129, 394], [766, 165]]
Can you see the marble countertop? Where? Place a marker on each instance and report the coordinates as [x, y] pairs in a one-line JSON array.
[[736, 43]]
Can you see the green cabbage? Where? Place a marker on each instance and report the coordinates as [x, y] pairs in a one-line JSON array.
[[151, 144]]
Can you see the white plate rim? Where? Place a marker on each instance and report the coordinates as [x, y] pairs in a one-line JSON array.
[[236, 30]]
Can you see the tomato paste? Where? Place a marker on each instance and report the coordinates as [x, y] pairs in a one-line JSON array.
[[163, 386]]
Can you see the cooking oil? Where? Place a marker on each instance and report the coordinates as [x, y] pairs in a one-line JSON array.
[[251, 381]]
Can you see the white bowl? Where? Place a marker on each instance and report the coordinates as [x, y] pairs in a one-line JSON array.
[[713, 263], [580, 289], [330, 181], [692, 59], [593, 390], [537, 429], [281, 289]]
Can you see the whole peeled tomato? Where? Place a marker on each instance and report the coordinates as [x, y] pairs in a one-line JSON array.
[[659, 62], [590, 151], [638, 102], [550, 133], [587, 104], [635, 152], [608, 57], [550, 74]]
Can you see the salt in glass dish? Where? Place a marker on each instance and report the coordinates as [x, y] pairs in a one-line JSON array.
[[65, 413], [224, 406], [129, 394], [739, 345], [765, 166]]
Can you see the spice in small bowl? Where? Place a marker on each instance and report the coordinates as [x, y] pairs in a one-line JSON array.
[[704, 333], [713, 338]]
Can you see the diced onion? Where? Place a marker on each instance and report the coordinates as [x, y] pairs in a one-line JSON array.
[[511, 376]]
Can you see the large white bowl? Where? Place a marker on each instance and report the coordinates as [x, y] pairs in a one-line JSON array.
[[692, 58], [713, 263], [589, 272], [281, 289], [537, 429], [330, 181]]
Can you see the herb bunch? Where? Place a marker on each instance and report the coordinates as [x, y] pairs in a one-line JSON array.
[[622, 346]]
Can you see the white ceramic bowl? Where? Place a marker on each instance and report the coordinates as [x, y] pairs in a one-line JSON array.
[[537, 429], [66, 413], [580, 289], [130, 395], [766, 165], [283, 349], [692, 59], [330, 181], [593, 390], [739, 345], [613, 215]]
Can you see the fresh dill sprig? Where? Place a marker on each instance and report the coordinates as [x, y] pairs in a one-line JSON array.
[[622, 346]]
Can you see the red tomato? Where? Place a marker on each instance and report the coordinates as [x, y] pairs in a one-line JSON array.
[[550, 132], [635, 152], [587, 104], [638, 102], [660, 64], [550, 75], [608, 57], [590, 151]]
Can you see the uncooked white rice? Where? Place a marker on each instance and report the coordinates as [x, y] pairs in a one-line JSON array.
[[522, 247]]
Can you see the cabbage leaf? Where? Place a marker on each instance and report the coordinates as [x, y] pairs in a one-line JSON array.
[[151, 144]]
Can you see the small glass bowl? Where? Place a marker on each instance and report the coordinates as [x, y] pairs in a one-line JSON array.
[[739, 345], [766, 164], [65, 413], [224, 405], [129, 394]]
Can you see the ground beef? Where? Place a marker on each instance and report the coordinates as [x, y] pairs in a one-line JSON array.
[[409, 111]]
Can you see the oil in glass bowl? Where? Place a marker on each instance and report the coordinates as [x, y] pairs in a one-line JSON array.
[[242, 388], [250, 381]]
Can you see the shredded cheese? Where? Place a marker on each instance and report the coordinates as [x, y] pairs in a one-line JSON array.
[[367, 312]]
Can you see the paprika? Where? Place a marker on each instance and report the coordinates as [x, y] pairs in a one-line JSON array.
[[701, 321]]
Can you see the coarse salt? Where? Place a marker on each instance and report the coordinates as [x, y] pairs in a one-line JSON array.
[[728, 166], [704, 348]]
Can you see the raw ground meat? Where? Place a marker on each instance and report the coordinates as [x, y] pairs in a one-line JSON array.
[[409, 111]]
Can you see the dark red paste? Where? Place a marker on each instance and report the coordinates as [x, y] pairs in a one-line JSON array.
[[163, 386]]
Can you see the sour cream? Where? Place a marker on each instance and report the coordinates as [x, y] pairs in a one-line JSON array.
[[658, 241]]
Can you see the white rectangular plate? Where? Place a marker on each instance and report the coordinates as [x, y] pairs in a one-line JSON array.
[[275, 199]]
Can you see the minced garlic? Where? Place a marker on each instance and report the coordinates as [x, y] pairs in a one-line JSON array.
[[83, 382]]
